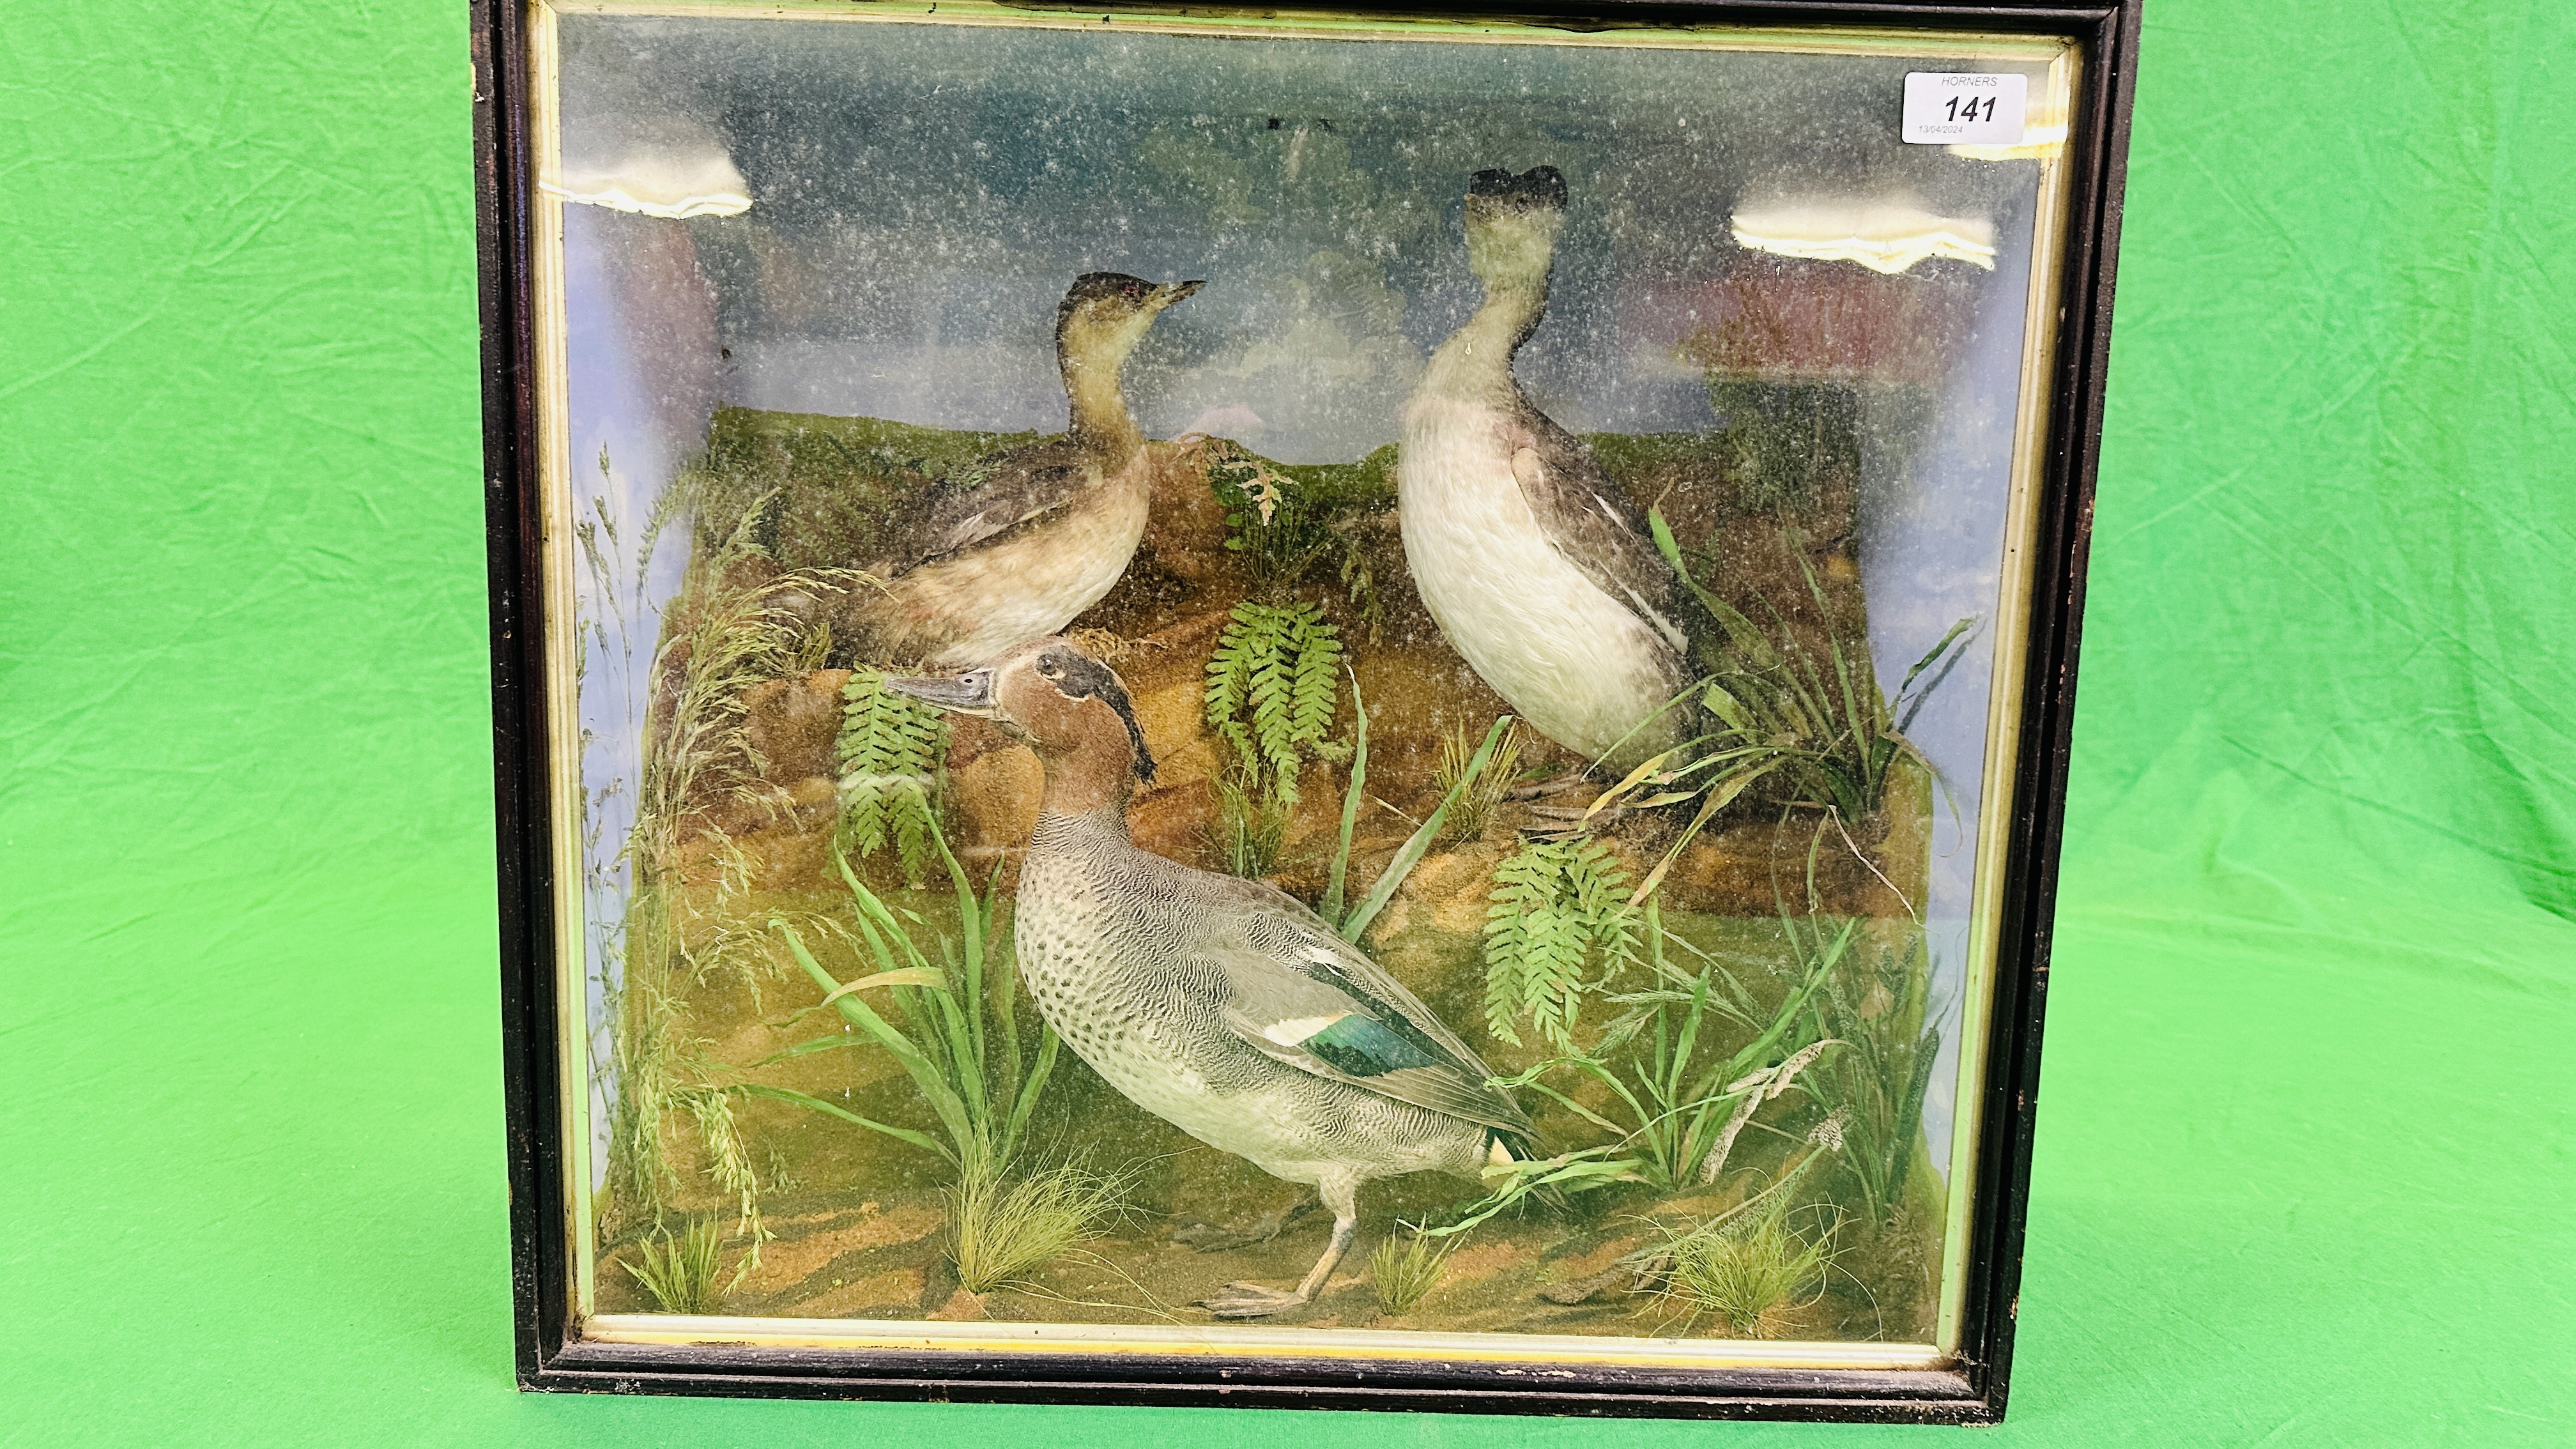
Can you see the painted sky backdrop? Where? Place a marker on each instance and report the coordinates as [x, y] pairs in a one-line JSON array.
[[923, 193]]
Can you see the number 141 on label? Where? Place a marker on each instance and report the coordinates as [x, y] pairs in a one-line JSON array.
[[1974, 108]]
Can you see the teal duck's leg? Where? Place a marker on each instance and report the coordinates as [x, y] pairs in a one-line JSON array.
[[1211, 1238], [1251, 1300]]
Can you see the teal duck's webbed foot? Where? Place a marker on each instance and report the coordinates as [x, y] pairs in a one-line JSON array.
[[1251, 1300], [1218, 1238]]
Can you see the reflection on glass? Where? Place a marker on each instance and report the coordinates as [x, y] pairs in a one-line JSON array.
[[1322, 681]]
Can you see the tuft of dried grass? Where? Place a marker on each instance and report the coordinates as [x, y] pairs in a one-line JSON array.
[[1405, 1268], [1001, 1229], [1750, 1274], [1474, 809], [1749, 1268], [1109, 646], [680, 1273], [1249, 831]]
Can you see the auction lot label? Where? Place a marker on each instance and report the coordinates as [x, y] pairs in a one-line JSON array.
[[1964, 108]]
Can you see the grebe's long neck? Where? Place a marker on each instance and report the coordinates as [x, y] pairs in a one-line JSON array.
[[1476, 361], [1102, 426]]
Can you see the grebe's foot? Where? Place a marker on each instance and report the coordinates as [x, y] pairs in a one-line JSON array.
[[1215, 1238], [1538, 789], [1607, 816], [1250, 1300]]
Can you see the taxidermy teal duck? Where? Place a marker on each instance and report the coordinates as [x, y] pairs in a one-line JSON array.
[[1218, 1004], [1012, 546], [1526, 555]]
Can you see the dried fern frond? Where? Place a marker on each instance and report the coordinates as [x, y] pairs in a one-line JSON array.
[[891, 746], [1268, 523], [1273, 685], [1555, 910], [1283, 521]]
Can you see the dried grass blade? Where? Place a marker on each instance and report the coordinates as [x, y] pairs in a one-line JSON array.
[[1331, 910], [1720, 796], [1635, 777], [1420, 843], [907, 976], [901, 1134]]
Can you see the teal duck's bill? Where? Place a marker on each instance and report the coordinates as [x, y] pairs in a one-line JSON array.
[[969, 693]]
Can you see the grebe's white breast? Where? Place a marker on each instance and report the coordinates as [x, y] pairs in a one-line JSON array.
[[1581, 666], [1036, 584]]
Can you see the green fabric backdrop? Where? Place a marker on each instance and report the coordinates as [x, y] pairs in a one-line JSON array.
[[2305, 1168]]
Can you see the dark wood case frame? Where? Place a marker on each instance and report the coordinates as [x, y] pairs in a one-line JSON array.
[[551, 1357]]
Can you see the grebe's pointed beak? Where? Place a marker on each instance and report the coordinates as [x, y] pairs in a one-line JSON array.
[[968, 693], [1170, 292]]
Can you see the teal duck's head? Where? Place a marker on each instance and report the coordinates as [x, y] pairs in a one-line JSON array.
[[1512, 225], [1105, 315], [1049, 695]]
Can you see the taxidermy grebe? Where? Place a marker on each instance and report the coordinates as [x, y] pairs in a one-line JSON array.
[[1522, 549], [1013, 546], [1220, 1005]]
